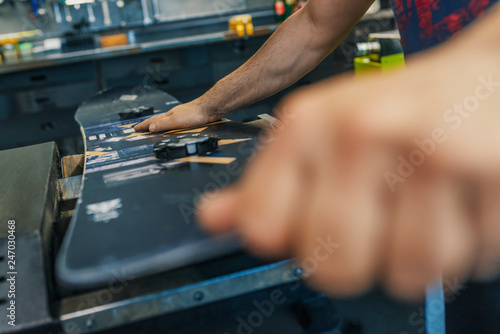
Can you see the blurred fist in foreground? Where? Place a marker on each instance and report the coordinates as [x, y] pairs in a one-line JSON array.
[[392, 179]]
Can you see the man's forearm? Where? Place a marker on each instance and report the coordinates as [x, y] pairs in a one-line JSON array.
[[296, 47]]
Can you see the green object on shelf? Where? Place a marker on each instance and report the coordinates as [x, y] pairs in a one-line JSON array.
[[363, 65], [388, 55], [26, 50], [25, 46], [289, 5]]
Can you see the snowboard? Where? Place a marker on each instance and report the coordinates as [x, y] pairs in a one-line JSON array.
[[136, 213]]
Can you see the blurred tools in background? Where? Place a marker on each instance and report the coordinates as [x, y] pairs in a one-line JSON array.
[[284, 8], [242, 24], [56, 53]]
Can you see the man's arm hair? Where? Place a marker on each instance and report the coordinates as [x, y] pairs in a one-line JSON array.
[[295, 48]]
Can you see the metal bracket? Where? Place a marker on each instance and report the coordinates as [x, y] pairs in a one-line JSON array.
[[161, 303]]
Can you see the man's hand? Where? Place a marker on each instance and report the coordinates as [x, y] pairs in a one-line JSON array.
[[392, 179], [277, 65], [186, 115]]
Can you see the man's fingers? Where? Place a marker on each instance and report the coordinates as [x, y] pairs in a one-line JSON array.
[[178, 119], [271, 201], [217, 210], [265, 202], [268, 197], [412, 259], [341, 239], [144, 125], [430, 235], [168, 122], [488, 264]]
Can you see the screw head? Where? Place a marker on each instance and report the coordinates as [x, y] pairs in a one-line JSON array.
[[89, 323], [298, 272], [198, 296]]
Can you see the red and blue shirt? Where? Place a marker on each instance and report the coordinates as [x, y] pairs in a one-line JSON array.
[[426, 23]]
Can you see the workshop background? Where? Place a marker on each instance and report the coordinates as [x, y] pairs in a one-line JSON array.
[[56, 54]]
